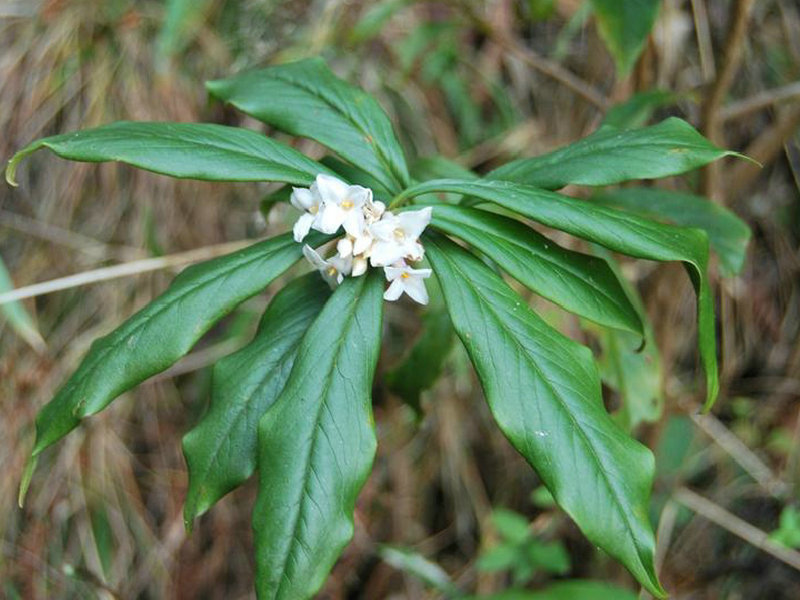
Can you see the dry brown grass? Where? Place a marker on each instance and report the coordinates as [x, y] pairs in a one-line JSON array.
[[107, 502]]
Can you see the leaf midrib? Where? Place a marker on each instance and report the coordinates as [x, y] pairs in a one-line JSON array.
[[353, 307], [546, 258], [161, 309], [397, 178], [524, 351]]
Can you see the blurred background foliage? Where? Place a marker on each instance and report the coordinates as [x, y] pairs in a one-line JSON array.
[[450, 507]]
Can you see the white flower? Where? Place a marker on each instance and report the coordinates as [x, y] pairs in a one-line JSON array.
[[309, 202], [396, 237], [333, 270], [342, 205], [408, 280]]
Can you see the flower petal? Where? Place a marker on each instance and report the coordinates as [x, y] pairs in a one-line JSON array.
[[394, 291], [415, 288], [302, 198], [331, 189], [302, 226], [359, 266], [385, 253], [314, 258], [414, 222], [344, 247], [331, 218]]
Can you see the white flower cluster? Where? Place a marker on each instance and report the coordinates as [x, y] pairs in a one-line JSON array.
[[373, 236]]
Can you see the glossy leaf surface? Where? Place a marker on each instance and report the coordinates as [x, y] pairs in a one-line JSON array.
[[611, 155], [317, 443], [306, 99], [616, 230], [221, 452], [727, 233], [163, 331], [544, 392], [582, 284], [185, 150]]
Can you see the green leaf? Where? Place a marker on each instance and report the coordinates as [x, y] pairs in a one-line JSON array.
[[582, 284], [727, 233], [550, 557], [221, 452], [575, 589], [163, 331], [184, 150], [544, 392], [500, 558], [19, 318], [634, 112], [421, 367], [416, 564], [610, 155], [624, 26], [511, 526], [634, 372], [317, 443], [616, 230], [306, 99]]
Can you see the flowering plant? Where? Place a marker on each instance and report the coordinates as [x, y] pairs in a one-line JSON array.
[[295, 403]]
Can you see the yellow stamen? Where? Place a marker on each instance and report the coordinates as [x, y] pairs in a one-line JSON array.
[[399, 235], [314, 209], [405, 275], [347, 205], [332, 271]]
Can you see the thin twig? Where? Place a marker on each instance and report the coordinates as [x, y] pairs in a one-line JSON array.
[[123, 270], [738, 527], [534, 60], [767, 98], [734, 46], [763, 149], [739, 451], [701, 28], [65, 237]]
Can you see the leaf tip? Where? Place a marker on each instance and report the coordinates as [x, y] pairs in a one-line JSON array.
[[27, 475], [11, 171]]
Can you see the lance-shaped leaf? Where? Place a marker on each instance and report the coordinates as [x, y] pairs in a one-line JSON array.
[[611, 155], [624, 26], [184, 150], [221, 452], [306, 99], [727, 233], [616, 230], [163, 331], [317, 443], [582, 284], [544, 392]]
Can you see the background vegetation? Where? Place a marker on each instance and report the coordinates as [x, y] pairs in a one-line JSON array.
[[481, 83]]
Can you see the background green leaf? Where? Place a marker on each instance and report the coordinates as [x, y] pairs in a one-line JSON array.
[[184, 150], [306, 99], [610, 155], [575, 589], [544, 392], [727, 233], [317, 443], [16, 314], [221, 451], [624, 26], [613, 229]]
